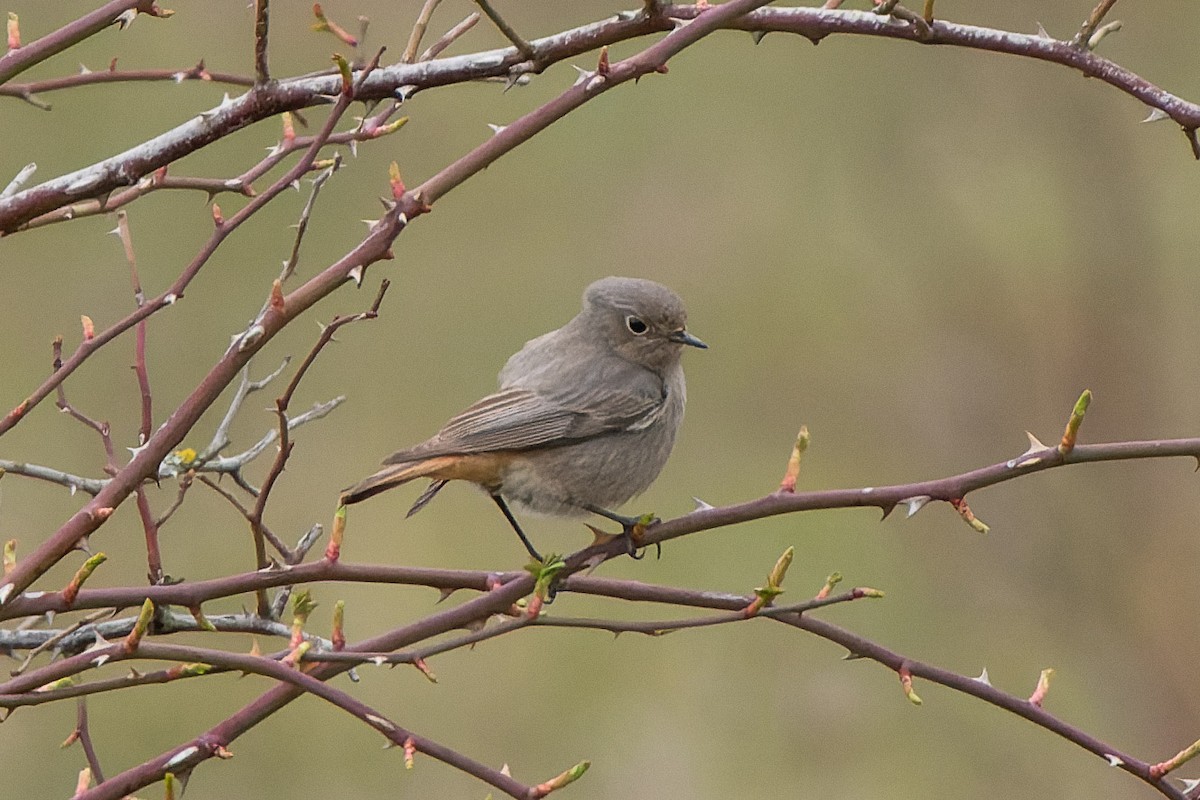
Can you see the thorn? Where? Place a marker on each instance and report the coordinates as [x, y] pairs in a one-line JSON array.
[[522, 79], [592, 563], [600, 537], [1113, 761], [983, 678], [496, 128], [703, 506], [584, 75], [758, 36], [1042, 34], [1029, 457], [915, 504]]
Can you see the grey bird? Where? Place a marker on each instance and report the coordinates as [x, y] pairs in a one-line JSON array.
[[584, 421]]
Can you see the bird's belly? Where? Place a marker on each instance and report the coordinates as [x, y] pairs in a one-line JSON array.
[[606, 472]]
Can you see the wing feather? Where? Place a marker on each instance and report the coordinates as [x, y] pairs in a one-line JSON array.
[[519, 419]]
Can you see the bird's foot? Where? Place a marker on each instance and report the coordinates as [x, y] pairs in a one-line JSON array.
[[634, 531], [632, 528]]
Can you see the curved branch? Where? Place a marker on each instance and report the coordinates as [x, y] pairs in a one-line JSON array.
[[861, 647], [815, 23], [19, 59]]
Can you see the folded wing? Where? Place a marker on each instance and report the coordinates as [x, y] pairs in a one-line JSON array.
[[519, 419]]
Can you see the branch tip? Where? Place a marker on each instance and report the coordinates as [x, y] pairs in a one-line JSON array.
[[325, 25], [788, 484], [833, 580], [964, 511], [906, 683], [1043, 688], [1072, 430], [71, 590], [145, 616], [559, 781], [1179, 759]]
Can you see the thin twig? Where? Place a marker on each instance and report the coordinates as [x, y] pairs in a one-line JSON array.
[[813, 23], [523, 47], [1092, 22], [84, 734], [279, 604], [262, 16], [418, 31], [29, 92], [185, 483], [246, 387], [289, 266], [55, 638], [450, 37], [100, 427], [246, 513], [16, 61], [154, 565]]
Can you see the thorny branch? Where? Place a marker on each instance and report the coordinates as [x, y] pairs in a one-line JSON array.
[[814, 23], [117, 181]]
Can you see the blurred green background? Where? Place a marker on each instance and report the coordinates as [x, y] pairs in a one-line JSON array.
[[918, 252]]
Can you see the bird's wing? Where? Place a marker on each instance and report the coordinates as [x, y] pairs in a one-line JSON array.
[[518, 419]]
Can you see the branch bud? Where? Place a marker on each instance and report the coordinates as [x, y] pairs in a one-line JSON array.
[[1069, 435]]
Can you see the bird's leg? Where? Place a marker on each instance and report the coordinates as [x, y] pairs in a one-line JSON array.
[[516, 527], [628, 526]]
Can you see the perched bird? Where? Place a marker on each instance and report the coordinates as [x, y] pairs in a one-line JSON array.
[[585, 418]]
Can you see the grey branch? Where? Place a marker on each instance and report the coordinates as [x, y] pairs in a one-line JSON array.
[[76, 641]]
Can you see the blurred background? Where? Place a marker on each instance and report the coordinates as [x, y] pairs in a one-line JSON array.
[[918, 252]]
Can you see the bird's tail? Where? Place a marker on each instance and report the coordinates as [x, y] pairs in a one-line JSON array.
[[394, 475]]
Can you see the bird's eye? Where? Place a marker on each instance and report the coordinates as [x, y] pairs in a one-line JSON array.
[[636, 326]]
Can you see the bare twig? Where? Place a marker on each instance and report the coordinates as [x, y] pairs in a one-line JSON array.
[[245, 388], [523, 47], [248, 515], [418, 31], [813, 23], [16, 61], [1093, 21], [30, 92], [84, 735], [262, 16], [450, 37]]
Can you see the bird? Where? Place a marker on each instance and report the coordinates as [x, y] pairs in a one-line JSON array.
[[584, 419]]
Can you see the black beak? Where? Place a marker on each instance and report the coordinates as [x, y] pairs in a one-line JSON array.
[[683, 337]]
